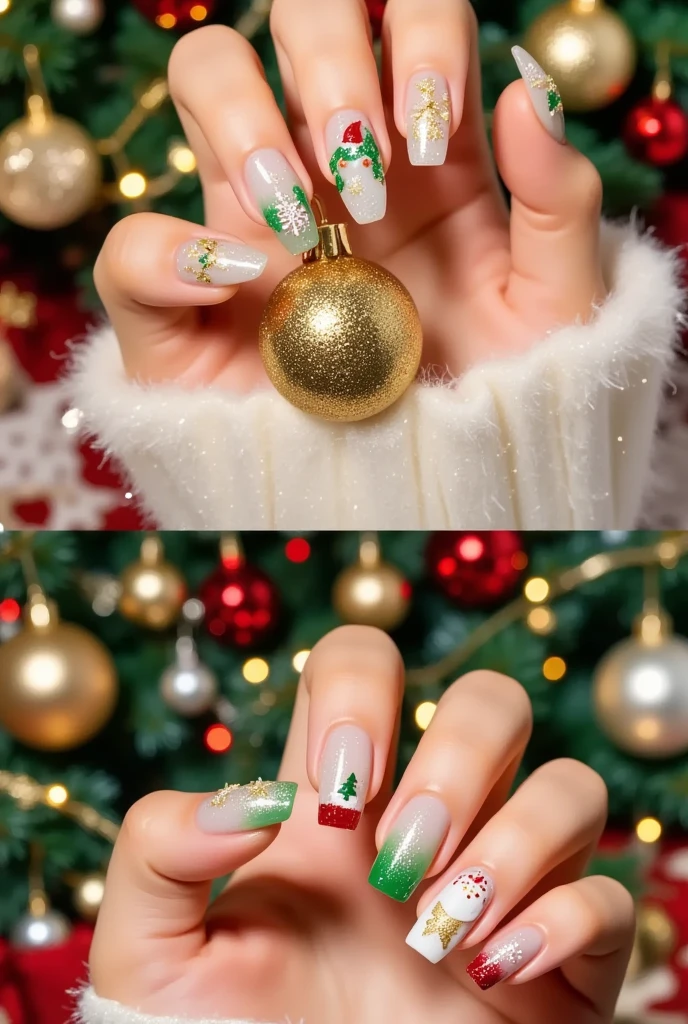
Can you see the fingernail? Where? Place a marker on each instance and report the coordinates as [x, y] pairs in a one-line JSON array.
[[544, 94], [280, 196], [212, 261], [344, 776], [242, 808], [410, 847], [428, 114], [451, 916], [500, 960], [356, 165]]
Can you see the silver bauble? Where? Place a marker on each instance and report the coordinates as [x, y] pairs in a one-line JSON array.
[[188, 686], [40, 931], [640, 692], [78, 16]]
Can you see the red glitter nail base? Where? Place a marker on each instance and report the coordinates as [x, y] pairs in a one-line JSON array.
[[338, 817], [485, 971]]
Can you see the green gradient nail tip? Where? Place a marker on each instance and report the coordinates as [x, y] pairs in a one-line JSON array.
[[410, 848], [236, 808]]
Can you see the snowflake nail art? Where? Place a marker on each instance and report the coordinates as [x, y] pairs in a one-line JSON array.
[[428, 114], [282, 200]]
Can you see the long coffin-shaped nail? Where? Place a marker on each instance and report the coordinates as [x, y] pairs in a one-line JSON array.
[[449, 918], [356, 165], [500, 960], [544, 94], [428, 114], [238, 808], [410, 848], [344, 776], [281, 199], [216, 262]]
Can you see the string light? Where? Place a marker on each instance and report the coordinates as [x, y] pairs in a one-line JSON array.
[[166, 21], [299, 660], [297, 549], [541, 620], [181, 158], [198, 12], [255, 670], [536, 590], [133, 185], [217, 738], [554, 669], [648, 830], [5, 6], [57, 795], [10, 610], [424, 713]]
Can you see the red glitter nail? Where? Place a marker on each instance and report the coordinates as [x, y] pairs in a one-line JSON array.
[[338, 817], [485, 971]]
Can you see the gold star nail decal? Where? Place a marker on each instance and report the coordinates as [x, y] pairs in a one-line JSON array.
[[429, 113], [205, 252], [355, 186], [440, 923], [220, 798], [258, 788]]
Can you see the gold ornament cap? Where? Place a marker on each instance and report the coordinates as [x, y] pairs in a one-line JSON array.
[[40, 613], [333, 239], [653, 626]]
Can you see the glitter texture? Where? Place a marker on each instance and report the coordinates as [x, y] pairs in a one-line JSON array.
[[281, 198], [356, 165], [543, 92], [410, 847], [449, 918], [500, 960], [344, 776], [215, 262], [236, 808], [428, 113]]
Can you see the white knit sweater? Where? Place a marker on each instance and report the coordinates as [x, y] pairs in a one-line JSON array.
[[559, 438], [92, 1009]]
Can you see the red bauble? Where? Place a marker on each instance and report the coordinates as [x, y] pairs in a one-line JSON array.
[[176, 14], [241, 604], [656, 131], [376, 9], [476, 568]]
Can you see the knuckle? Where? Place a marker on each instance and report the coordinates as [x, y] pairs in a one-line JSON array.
[[504, 691], [588, 783], [194, 48], [121, 244]]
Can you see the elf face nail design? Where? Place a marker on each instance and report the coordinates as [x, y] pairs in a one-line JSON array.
[[214, 262], [410, 847], [428, 113], [544, 94], [238, 808], [344, 776], [280, 196], [500, 960], [356, 165], [451, 916]]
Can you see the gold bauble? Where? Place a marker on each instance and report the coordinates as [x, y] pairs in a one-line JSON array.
[[58, 683], [87, 895], [640, 693], [11, 378], [371, 592], [587, 49], [656, 936], [153, 590], [50, 172], [340, 337]]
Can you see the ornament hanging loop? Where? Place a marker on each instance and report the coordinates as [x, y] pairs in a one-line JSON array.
[[38, 108], [663, 86], [369, 550]]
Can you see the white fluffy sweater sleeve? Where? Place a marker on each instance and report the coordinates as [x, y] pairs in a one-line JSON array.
[[93, 1009], [559, 438]]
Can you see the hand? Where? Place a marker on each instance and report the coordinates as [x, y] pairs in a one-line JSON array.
[[486, 285], [300, 932]]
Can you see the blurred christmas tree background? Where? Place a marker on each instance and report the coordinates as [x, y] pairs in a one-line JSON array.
[[113, 145], [185, 677]]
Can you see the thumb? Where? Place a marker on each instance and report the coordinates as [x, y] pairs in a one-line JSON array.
[[556, 200], [170, 848]]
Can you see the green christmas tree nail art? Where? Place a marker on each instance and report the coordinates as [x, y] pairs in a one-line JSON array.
[[282, 200], [349, 788], [344, 772], [291, 214]]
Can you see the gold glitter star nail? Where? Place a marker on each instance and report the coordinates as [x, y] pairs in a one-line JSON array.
[[355, 186], [220, 798], [429, 113], [441, 924], [205, 251], [258, 788]]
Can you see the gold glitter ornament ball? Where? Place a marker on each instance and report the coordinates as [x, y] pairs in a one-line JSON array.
[[340, 337], [50, 172], [58, 683], [153, 590], [371, 592], [587, 49]]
